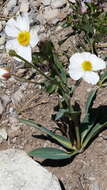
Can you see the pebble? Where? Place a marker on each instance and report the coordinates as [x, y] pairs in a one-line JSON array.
[[21, 72], [46, 2], [18, 95], [3, 134], [72, 1], [51, 15], [2, 40], [10, 5], [4, 100], [24, 6], [1, 27], [55, 4]]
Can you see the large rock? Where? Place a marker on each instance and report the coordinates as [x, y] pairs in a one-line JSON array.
[[19, 172]]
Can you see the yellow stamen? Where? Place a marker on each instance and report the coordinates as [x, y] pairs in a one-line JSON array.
[[87, 66], [24, 38]]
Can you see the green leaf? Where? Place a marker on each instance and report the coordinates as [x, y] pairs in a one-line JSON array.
[[61, 113], [62, 140], [51, 153], [86, 126], [90, 100], [51, 88], [60, 68], [95, 131], [103, 77], [75, 115]]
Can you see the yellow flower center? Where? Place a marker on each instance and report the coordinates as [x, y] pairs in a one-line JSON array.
[[24, 38], [87, 66]]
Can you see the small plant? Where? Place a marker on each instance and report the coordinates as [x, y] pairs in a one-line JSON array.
[[81, 131], [86, 66], [89, 19]]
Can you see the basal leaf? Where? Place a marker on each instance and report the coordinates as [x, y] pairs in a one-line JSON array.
[[62, 140], [50, 153], [60, 68], [95, 131], [86, 126], [61, 113], [90, 100]]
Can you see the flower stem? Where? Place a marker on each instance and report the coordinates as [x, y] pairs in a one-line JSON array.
[[34, 66], [77, 132]]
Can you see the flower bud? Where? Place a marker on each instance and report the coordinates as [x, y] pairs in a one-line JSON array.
[[4, 73], [12, 53]]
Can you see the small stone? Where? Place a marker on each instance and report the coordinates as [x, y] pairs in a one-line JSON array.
[[94, 187], [14, 129], [3, 134], [1, 108], [19, 171], [4, 100], [46, 2], [58, 3], [21, 72], [59, 28], [24, 6], [51, 15], [2, 40], [1, 27], [9, 6], [72, 1], [18, 95]]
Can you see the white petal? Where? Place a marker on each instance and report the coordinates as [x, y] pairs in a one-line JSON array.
[[86, 55], [23, 51], [34, 39], [11, 45], [74, 74], [91, 77], [76, 60], [11, 28], [23, 22], [97, 63]]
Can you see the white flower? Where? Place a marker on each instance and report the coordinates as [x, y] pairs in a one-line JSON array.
[[83, 65], [22, 38], [4, 73]]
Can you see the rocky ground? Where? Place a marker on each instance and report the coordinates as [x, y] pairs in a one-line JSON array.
[[20, 98]]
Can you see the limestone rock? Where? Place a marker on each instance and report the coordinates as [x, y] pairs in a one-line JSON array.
[[19, 171], [51, 15], [58, 3]]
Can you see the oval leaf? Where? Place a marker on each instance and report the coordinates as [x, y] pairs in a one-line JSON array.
[[95, 131], [50, 153], [62, 140]]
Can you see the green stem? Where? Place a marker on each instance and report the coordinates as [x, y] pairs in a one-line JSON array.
[[77, 132], [34, 66]]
